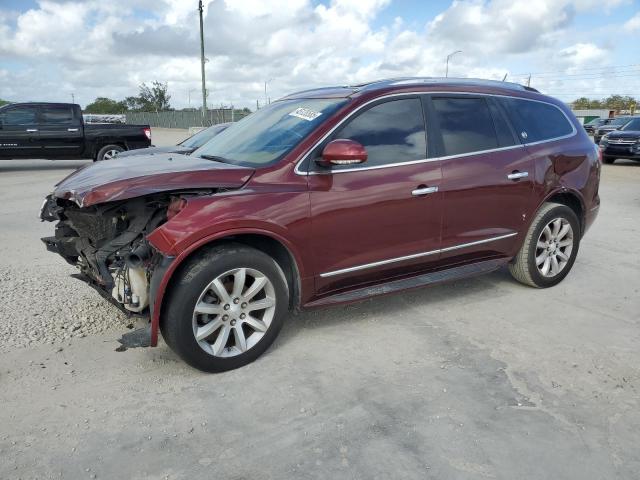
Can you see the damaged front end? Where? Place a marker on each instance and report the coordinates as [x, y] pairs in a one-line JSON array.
[[107, 242]]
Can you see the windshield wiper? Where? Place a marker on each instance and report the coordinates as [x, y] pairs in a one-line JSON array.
[[215, 158]]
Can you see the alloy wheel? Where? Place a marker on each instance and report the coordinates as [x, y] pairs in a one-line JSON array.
[[234, 312], [554, 246], [109, 154]]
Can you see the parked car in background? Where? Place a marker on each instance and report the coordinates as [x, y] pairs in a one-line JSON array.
[[185, 147], [613, 124], [591, 126], [57, 131], [330, 196], [623, 143]]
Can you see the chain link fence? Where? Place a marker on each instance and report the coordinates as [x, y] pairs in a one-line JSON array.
[[182, 119]]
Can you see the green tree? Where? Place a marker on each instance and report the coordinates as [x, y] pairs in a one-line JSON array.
[[582, 103], [154, 98], [3, 102], [106, 106]]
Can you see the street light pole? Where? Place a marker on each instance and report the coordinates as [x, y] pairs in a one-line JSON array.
[[446, 74], [266, 99], [204, 90]]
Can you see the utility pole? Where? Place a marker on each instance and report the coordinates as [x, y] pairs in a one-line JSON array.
[[204, 91], [73, 98], [529, 81], [446, 73], [189, 94]]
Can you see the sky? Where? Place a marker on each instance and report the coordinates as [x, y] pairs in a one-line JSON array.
[[53, 49]]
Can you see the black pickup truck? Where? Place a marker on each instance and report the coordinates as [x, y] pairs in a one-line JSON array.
[[57, 131]]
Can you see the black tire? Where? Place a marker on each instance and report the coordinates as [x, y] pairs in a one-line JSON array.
[[523, 266], [608, 160], [192, 280], [106, 150]]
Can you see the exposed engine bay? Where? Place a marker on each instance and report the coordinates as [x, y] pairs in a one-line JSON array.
[[107, 243]]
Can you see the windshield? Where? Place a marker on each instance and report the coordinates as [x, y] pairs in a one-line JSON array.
[[267, 135], [595, 121], [203, 136], [633, 125], [619, 121]]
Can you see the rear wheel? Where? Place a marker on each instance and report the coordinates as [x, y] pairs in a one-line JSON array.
[[550, 248], [226, 307], [108, 152]]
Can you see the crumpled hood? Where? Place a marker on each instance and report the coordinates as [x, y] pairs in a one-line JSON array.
[[129, 177]]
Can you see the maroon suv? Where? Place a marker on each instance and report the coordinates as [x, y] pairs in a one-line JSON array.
[[331, 196]]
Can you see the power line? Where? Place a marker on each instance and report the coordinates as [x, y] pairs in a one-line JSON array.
[[583, 68]]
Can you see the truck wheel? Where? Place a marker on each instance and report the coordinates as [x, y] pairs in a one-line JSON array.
[[550, 248], [225, 308], [108, 152]]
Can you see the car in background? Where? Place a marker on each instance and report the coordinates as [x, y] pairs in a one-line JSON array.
[[614, 124], [623, 143], [58, 131], [185, 147], [591, 126], [330, 196]]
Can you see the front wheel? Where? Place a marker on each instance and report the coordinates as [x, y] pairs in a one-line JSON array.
[[608, 160], [550, 248], [226, 308]]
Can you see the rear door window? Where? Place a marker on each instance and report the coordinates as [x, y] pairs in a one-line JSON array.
[[392, 132], [16, 116], [537, 121], [57, 115], [465, 124]]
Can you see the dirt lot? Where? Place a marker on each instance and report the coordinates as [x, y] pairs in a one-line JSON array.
[[484, 378]]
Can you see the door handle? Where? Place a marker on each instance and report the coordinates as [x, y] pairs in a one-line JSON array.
[[32, 129], [72, 129], [517, 175], [424, 191]]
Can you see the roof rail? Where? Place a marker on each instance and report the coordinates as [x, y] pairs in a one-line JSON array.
[[442, 80]]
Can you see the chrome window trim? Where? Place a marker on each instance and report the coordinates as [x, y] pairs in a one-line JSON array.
[[415, 255], [434, 159]]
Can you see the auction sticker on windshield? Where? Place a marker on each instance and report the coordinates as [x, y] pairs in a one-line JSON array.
[[305, 114]]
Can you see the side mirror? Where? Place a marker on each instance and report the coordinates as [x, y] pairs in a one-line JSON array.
[[342, 152]]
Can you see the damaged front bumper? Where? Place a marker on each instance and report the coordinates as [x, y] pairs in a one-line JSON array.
[[107, 243]]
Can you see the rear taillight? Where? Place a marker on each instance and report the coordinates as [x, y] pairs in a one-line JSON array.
[[175, 206], [599, 154], [147, 132]]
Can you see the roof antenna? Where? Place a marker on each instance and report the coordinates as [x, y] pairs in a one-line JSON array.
[[505, 76]]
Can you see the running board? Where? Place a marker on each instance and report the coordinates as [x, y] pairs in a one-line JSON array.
[[448, 275]]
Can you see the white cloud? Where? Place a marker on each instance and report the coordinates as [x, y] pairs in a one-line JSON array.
[[97, 48], [633, 24]]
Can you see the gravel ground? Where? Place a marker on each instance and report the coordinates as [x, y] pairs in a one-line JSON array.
[[67, 309], [482, 378]]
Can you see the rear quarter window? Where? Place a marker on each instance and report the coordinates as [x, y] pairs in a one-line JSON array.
[[537, 121]]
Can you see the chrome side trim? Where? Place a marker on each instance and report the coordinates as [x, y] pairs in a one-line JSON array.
[[378, 264], [434, 159], [415, 255], [478, 242]]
